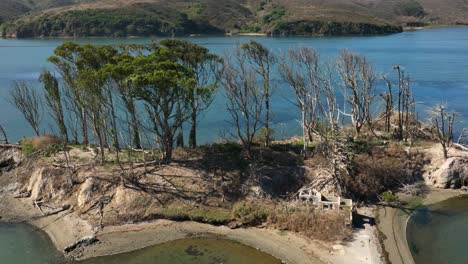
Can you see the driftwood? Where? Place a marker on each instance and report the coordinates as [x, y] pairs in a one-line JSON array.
[[16, 146], [58, 210], [26, 194], [82, 242], [39, 204], [460, 146], [149, 163]]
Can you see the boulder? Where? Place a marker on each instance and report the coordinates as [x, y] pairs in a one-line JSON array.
[[48, 183], [86, 192], [452, 174], [10, 157]]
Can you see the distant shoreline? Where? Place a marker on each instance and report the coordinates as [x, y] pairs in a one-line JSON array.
[[405, 29]]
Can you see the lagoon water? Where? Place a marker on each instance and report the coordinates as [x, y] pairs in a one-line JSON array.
[[22, 244], [436, 59], [439, 233]]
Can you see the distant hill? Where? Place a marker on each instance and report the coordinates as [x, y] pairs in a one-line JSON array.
[[119, 18]]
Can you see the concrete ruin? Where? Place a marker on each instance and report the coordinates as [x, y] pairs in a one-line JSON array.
[[322, 202]]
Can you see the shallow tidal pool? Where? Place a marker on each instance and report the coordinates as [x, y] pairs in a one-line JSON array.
[[22, 244]]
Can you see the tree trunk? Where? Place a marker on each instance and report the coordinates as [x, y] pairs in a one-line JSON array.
[[114, 123], [193, 130], [304, 130], [180, 130], [135, 130], [5, 138], [267, 109], [84, 128]]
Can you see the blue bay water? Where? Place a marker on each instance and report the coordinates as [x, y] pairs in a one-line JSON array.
[[436, 59]]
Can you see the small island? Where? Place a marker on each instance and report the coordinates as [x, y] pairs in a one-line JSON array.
[[120, 172]]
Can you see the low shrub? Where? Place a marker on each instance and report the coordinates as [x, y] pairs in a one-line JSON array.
[[389, 197], [47, 145], [249, 213], [202, 214], [323, 225]]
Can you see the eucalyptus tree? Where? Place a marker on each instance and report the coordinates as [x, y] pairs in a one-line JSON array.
[[204, 68], [26, 99], [54, 101], [262, 60], [97, 97], [163, 84], [65, 60], [118, 73]]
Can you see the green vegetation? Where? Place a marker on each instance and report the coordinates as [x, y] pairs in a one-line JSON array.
[[332, 28], [412, 8], [209, 215], [103, 22], [275, 15], [249, 213], [180, 17], [389, 197], [45, 146]]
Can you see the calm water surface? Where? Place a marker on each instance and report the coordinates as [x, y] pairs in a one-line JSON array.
[[437, 60], [439, 233], [22, 244], [191, 251]]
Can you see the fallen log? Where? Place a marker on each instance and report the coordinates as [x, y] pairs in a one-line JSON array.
[[82, 242], [58, 210]]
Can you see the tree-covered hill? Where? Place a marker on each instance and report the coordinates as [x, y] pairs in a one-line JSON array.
[[118, 18]]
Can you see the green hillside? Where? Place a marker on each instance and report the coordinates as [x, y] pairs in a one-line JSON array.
[[120, 18]]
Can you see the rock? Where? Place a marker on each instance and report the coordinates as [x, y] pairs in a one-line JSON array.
[[339, 249], [36, 184], [85, 193], [48, 183], [82, 242], [10, 157], [452, 174]]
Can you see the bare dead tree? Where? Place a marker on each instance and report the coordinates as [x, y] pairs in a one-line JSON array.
[[461, 139], [262, 60], [442, 123], [5, 138], [25, 98], [300, 70], [388, 104], [245, 99], [328, 103], [358, 79]]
